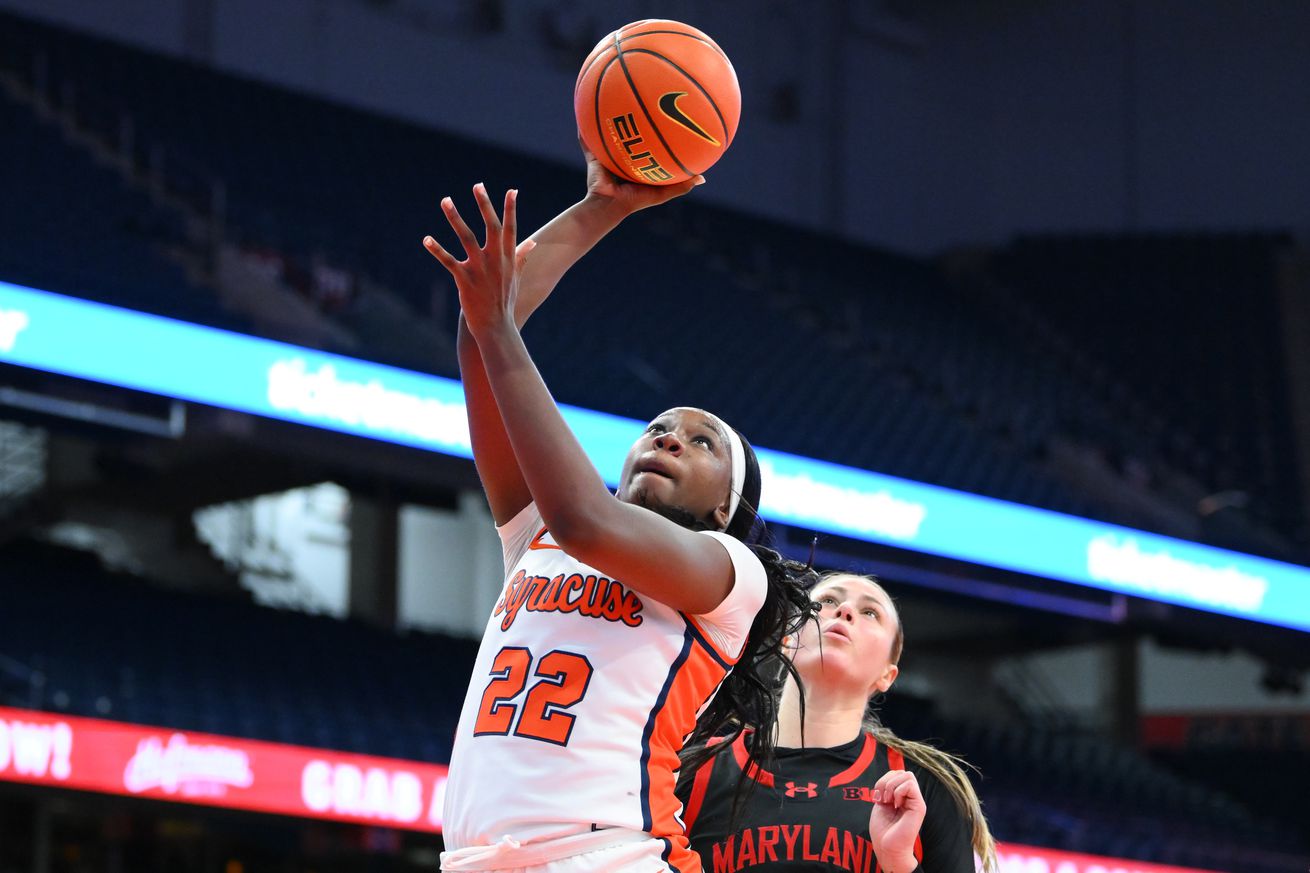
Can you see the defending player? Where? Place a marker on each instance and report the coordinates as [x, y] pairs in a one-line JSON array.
[[844, 793], [620, 618]]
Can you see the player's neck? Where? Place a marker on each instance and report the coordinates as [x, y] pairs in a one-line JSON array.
[[833, 716]]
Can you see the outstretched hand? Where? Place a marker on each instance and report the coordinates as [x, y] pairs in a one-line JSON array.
[[629, 197], [898, 812], [488, 277]]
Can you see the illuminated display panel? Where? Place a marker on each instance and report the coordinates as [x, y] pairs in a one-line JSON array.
[[176, 359], [89, 754], [109, 757]]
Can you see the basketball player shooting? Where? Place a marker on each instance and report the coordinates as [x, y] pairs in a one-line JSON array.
[[621, 615]]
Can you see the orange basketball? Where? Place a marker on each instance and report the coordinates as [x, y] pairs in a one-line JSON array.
[[657, 102]]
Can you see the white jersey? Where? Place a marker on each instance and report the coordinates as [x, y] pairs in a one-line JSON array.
[[582, 695]]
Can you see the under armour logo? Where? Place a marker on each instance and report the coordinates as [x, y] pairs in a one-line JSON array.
[[809, 789]]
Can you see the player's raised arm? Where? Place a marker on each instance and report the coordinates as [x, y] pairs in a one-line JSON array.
[[563, 241], [556, 247], [654, 555]]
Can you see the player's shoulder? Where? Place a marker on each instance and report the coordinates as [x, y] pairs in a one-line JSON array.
[[744, 558]]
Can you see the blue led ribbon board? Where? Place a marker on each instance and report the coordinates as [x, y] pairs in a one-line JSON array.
[[162, 356]]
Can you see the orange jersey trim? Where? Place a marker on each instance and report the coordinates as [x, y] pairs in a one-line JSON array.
[[896, 761], [692, 678], [851, 773], [755, 771], [698, 788], [706, 640]]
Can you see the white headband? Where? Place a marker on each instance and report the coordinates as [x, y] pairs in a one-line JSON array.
[[737, 455]]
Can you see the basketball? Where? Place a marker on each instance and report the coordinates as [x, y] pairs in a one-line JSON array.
[[657, 102]]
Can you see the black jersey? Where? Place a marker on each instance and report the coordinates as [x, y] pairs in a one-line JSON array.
[[811, 813]]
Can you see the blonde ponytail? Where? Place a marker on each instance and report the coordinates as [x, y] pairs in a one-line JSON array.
[[949, 771]]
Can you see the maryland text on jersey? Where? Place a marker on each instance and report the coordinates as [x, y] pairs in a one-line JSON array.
[[771, 844], [811, 812]]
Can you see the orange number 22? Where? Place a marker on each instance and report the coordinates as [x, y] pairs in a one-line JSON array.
[[563, 680]]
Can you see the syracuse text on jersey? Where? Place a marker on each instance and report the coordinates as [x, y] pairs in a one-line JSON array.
[[591, 595]]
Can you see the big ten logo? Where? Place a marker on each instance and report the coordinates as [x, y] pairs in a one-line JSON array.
[[628, 135]]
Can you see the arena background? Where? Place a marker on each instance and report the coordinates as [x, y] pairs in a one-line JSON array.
[[1041, 252]]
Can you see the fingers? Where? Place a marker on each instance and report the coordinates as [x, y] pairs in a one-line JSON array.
[[466, 237], [656, 195], [683, 188], [510, 230], [890, 781], [895, 788], [501, 237], [905, 794], [669, 192], [446, 258], [488, 211]]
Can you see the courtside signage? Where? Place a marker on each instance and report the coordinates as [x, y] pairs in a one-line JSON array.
[[109, 757], [1015, 858], [134, 760], [127, 760], [162, 356]]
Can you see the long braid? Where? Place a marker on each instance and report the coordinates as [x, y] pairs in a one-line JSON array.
[[749, 695]]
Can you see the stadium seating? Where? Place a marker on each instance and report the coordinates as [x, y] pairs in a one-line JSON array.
[[1269, 780], [112, 646], [1147, 307], [945, 387], [1082, 793], [70, 225], [322, 178]]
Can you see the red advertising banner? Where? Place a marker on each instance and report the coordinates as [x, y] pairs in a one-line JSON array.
[[131, 760], [1265, 731], [1013, 858], [89, 754]]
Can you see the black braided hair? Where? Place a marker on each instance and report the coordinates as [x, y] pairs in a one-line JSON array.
[[748, 697]]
